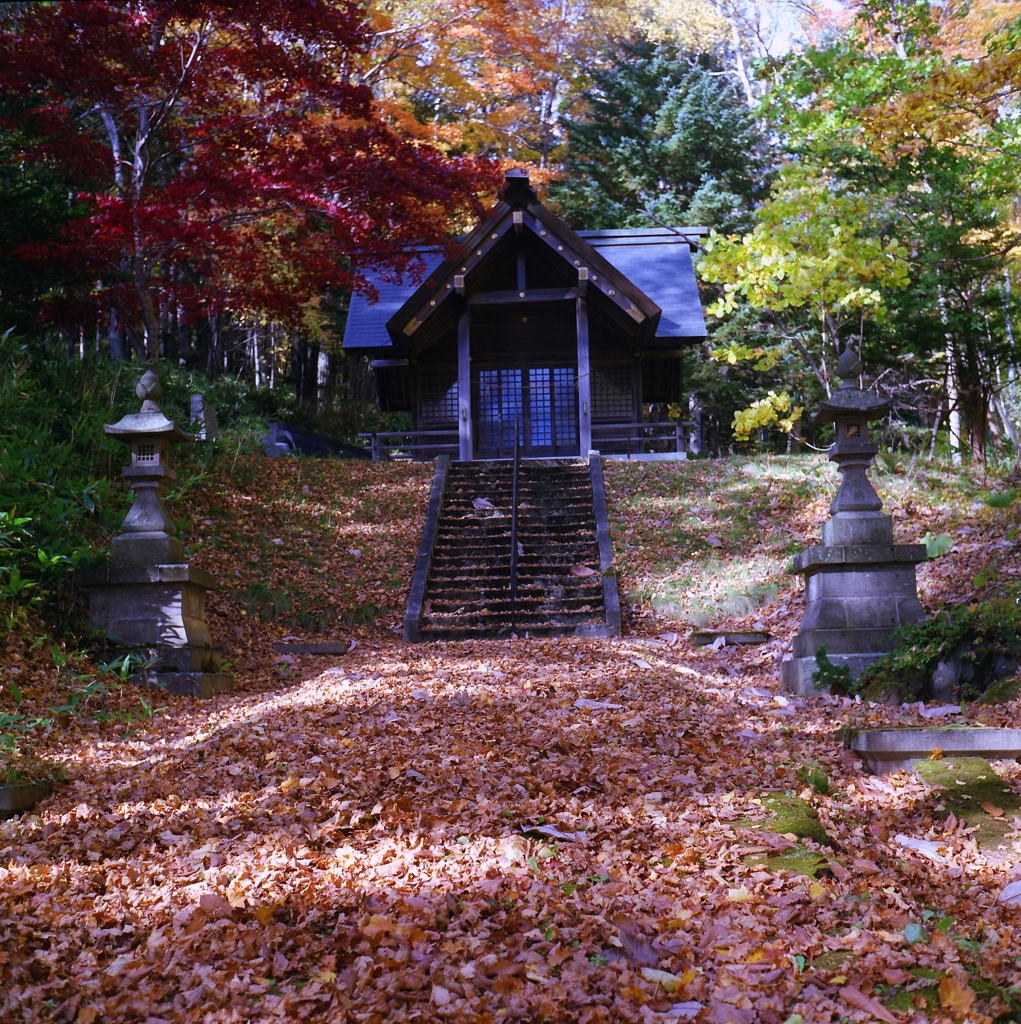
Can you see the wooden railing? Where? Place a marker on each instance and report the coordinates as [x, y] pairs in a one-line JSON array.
[[412, 444], [514, 526], [640, 438], [609, 438]]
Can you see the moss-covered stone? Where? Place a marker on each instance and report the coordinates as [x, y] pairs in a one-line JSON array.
[[890, 688], [1003, 691], [963, 785], [789, 815]]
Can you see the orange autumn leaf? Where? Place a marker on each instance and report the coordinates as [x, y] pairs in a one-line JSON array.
[[955, 996]]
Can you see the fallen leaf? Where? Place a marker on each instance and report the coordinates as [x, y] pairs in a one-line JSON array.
[[480, 503], [840, 873], [941, 712], [925, 847], [582, 570], [641, 663], [713, 541], [264, 914], [585, 702], [683, 1011], [955, 996], [118, 965], [514, 849], [636, 947], [991, 809], [670, 982], [895, 976], [856, 998], [555, 833], [862, 866], [1011, 894], [215, 905]]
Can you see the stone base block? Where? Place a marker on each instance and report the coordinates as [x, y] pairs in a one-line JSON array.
[[796, 674], [889, 750], [150, 606], [163, 658], [141, 549], [22, 797], [187, 684]]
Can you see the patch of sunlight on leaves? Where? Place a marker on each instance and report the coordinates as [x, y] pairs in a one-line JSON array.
[[719, 589]]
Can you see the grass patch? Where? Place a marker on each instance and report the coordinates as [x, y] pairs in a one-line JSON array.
[[700, 542], [964, 785], [719, 589], [796, 861], [789, 815]]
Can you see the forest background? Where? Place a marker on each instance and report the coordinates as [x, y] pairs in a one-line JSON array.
[[198, 183]]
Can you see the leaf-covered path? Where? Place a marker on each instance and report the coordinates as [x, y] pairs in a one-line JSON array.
[[561, 830]]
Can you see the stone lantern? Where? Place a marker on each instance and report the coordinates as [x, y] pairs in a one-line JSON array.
[[859, 586], [149, 598]]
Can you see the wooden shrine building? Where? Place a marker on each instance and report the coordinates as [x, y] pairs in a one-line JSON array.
[[575, 332]]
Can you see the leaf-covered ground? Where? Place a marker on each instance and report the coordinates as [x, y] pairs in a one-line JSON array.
[[443, 832]]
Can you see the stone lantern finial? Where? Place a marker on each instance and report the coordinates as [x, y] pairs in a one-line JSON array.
[[849, 368], [147, 388]]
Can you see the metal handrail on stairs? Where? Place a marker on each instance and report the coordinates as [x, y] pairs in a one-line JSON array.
[[514, 525]]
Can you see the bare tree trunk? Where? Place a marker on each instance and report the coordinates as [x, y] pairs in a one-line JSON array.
[[145, 300], [115, 338], [322, 377], [953, 397], [742, 71], [212, 354], [1011, 431], [935, 430]]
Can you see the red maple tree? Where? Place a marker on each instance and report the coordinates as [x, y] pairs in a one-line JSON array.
[[223, 152]]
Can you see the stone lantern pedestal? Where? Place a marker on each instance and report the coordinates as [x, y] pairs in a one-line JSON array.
[[149, 598], [859, 586]]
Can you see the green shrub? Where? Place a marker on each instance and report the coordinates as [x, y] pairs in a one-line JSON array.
[[830, 677], [61, 494], [979, 634]]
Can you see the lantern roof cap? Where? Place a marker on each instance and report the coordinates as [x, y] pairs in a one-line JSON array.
[[149, 421], [850, 401]]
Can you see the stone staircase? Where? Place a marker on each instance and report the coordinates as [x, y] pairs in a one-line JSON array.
[[462, 586]]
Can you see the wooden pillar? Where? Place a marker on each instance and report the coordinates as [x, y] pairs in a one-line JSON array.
[[584, 381], [464, 388]]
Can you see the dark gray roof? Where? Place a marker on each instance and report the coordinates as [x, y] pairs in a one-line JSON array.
[[366, 322], [658, 261]]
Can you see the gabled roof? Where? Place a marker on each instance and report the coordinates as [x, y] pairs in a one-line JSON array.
[[644, 277], [366, 319], [658, 260]]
